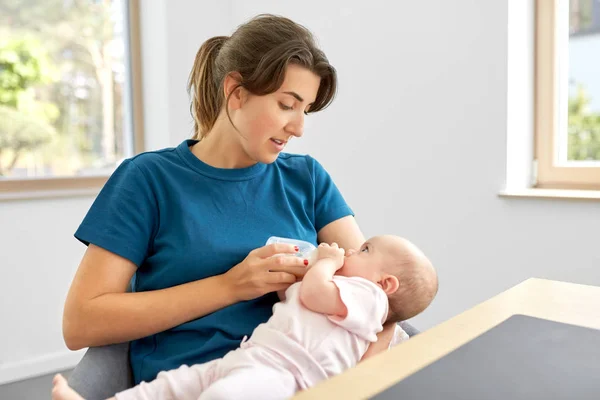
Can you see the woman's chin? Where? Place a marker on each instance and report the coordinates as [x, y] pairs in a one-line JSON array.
[[267, 158]]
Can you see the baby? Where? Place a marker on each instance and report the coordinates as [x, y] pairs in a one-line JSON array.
[[323, 327]]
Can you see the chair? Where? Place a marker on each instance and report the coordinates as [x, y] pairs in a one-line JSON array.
[[105, 370]]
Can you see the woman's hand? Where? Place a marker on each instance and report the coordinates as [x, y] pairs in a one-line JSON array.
[[261, 273]]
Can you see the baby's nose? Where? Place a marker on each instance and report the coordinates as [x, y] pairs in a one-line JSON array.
[[350, 252]]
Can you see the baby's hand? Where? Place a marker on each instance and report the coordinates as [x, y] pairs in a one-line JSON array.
[[332, 252]]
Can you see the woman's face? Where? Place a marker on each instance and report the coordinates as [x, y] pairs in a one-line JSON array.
[[266, 123]]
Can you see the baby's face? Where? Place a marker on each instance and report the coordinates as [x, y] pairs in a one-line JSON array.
[[369, 261]]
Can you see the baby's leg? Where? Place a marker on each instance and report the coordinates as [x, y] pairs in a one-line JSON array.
[[253, 383], [62, 391], [183, 383]]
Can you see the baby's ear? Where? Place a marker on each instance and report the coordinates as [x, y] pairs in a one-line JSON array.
[[389, 284]]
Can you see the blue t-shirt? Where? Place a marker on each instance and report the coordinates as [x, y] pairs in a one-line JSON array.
[[180, 220]]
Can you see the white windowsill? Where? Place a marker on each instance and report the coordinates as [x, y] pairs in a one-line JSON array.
[[552, 193], [49, 194]]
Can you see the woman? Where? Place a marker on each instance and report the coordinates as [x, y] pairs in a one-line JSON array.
[[186, 226]]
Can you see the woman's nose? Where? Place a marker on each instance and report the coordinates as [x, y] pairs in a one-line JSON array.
[[296, 127]]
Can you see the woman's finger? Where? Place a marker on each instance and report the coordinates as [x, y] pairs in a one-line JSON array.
[[277, 263], [280, 278], [278, 286], [295, 269], [290, 265]]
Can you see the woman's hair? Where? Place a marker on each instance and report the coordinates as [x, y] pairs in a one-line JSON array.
[[259, 51]]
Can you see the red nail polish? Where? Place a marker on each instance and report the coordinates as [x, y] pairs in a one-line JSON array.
[[296, 248], [305, 262]]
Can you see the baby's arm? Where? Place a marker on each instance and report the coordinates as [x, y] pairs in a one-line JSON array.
[[281, 294], [318, 292]]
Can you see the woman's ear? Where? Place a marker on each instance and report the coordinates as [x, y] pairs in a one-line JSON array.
[[232, 88], [389, 284]]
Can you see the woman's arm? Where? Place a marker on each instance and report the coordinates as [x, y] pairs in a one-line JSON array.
[[99, 312], [344, 231]]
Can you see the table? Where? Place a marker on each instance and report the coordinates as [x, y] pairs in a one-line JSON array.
[[552, 300]]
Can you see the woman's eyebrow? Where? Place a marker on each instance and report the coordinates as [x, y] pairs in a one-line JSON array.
[[295, 95]]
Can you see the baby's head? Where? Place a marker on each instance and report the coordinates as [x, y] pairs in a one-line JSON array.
[[402, 270]]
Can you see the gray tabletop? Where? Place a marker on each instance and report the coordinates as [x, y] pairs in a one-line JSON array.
[[521, 358]]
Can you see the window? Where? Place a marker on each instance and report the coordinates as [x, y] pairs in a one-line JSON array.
[[567, 94], [69, 80]]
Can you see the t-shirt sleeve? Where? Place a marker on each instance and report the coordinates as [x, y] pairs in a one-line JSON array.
[[367, 307], [123, 218], [329, 202]]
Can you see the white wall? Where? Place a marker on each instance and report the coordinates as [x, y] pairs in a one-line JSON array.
[[416, 140]]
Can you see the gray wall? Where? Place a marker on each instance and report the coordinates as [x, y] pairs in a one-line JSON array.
[[416, 140]]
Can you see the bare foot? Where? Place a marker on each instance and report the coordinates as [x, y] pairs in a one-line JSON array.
[[62, 391]]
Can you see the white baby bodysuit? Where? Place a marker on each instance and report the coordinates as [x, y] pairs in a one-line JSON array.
[[294, 350], [323, 346]]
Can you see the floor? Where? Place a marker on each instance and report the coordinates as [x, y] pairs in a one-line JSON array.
[[29, 389]]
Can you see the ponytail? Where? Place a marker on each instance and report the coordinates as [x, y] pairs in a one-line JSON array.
[[204, 86]]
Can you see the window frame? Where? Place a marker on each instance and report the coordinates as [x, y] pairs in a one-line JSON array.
[[70, 185], [547, 174]]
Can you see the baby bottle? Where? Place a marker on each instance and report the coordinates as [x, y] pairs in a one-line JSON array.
[[306, 250]]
